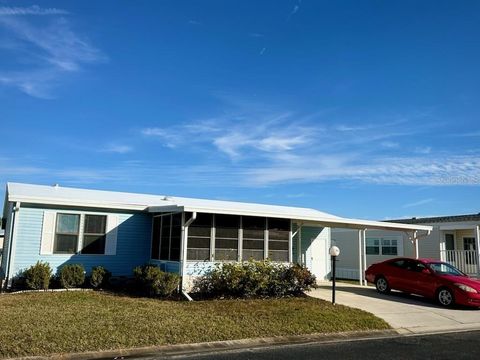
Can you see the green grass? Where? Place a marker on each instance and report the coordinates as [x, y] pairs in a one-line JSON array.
[[46, 323]]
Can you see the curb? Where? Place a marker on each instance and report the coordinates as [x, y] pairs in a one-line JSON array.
[[206, 347]]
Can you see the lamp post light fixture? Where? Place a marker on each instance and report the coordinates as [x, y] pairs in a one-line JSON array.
[[334, 252]]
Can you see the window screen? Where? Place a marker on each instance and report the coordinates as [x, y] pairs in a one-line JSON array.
[[278, 239], [66, 234], [199, 236], [226, 237], [253, 237], [94, 234]]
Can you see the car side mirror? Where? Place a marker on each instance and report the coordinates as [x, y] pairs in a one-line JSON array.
[[426, 271]]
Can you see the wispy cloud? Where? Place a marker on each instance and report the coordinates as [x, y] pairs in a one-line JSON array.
[[268, 147], [117, 148], [468, 134], [295, 9], [418, 203], [423, 149], [263, 51], [46, 51], [454, 170], [238, 135], [31, 10], [390, 144]]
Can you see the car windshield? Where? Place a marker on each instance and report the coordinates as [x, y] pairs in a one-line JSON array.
[[442, 268]]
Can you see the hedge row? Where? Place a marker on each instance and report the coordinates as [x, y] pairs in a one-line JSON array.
[[253, 279], [148, 280], [41, 277]]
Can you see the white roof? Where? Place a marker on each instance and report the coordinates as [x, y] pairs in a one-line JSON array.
[[59, 195]]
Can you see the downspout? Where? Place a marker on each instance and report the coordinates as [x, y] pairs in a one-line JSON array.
[[184, 254], [11, 234]]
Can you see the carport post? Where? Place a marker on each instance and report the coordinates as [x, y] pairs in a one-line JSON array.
[[364, 235], [360, 267], [415, 244]]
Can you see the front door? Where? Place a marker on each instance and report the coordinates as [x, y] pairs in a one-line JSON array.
[[450, 246]]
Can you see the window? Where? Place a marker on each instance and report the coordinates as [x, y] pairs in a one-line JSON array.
[[253, 237], [199, 237], [373, 246], [66, 234], [278, 239], [94, 234], [382, 246], [166, 234], [389, 247], [226, 237]]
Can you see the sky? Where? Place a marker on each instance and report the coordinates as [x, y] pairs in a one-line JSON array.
[[365, 109]]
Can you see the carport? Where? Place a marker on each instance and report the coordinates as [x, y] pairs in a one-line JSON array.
[[414, 232]]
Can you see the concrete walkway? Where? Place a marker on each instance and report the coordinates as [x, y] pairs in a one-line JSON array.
[[405, 313]]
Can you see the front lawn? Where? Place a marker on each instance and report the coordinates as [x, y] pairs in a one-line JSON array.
[[46, 323]]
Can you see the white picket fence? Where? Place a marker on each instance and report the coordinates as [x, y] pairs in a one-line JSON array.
[[464, 260]]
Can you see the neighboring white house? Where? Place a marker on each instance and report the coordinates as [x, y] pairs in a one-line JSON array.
[[455, 239]]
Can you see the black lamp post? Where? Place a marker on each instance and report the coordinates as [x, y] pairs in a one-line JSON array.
[[334, 252]]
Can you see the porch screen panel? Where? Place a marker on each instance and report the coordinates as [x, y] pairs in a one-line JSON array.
[[199, 237], [278, 239], [226, 237], [175, 237], [156, 228], [253, 237], [165, 237]]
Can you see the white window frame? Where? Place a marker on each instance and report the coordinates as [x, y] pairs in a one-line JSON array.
[[380, 239], [80, 231]]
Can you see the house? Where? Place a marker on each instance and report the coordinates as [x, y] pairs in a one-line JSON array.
[[455, 239], [119, 231]]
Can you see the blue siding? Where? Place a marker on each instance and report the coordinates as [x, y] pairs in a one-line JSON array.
[[133, 244], [168, 266]]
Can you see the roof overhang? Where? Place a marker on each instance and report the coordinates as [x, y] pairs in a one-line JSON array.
[[334, 222], [76, 203]]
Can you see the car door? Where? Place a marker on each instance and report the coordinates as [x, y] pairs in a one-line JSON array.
[[396, 274], [408, 277], [425, 283]]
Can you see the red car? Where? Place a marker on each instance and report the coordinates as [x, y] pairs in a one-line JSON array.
[[430, 278]]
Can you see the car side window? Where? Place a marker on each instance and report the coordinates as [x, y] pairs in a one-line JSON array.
[[398, 263], [419, 267]]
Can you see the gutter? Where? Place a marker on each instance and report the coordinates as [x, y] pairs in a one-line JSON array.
[[184, 255]]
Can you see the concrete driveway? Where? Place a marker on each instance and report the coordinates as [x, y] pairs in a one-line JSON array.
[[405, 313]]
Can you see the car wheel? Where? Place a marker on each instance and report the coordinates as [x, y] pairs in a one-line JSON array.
[[445, 297], [382, 285]]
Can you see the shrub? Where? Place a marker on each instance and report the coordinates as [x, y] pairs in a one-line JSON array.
[[254, 279], [152, 281], [71, 276], [37, 277], [99, 277]]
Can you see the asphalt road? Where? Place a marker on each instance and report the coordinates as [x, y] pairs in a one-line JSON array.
[[463, 345]]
